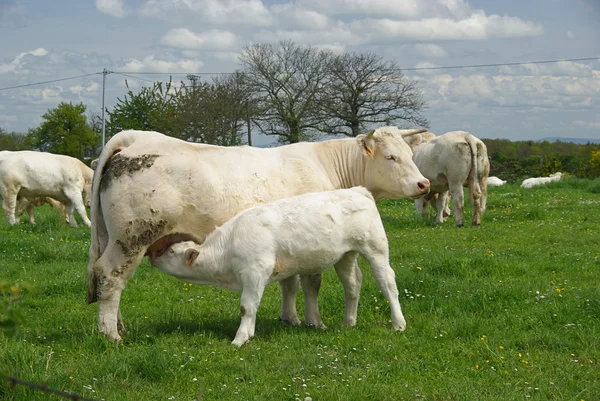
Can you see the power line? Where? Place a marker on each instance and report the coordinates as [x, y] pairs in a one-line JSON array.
[[499, 64], [129, 73], [49, 82]]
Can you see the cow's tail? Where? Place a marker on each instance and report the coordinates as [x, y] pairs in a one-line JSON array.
[[477, 179], [99, 236]]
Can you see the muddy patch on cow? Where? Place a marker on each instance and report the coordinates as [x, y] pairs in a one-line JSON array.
[[140, 234], [119, 165]]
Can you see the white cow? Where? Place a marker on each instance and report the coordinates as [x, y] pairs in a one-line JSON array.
[[28, 174], [304, 234], [27, 205], [451, 161], [533, 182], [151, 188], [495, 182]]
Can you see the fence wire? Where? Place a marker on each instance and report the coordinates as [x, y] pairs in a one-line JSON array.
[[14, 382]]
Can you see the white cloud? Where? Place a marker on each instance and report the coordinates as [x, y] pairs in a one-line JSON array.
[[430, 50], [18, 63], [115, 8], [210, 40], [338, 34], [6, 118], [570, 35], [477, 27], [226, 56], [246, 12], [587, 124], [153, 64]]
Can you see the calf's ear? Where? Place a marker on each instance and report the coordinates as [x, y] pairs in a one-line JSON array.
[[190, 255], [367, 143]]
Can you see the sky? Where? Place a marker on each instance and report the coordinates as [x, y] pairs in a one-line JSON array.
[[45, 40]]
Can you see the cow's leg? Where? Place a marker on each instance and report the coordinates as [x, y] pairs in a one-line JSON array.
[[289, 289], [112, 270], [9, 203], [475, 198], [384, 275], [458, 194], [29, 209], [440, 206], [77, 203], [253, 287], [70, 209], [351, 277], [310, 286], [422, 207]]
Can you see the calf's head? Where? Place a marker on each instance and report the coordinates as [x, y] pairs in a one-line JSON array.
[[389, 170], [178, 259]]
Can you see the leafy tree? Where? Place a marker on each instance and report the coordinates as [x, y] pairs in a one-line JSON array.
[[13, 141], [214, 112], [285, 81], [151, 109], [64, 131], [595, 162], [366, 90]]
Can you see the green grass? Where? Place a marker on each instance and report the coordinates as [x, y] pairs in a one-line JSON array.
[[506, 311]]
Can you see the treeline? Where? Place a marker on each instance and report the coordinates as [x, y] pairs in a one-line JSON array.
[[514, 161]]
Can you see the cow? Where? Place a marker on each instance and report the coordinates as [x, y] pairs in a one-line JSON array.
[[495, 182], [150, 189], [451, 161], [29, 174], [304, 234], [535, 181], [27, 205]]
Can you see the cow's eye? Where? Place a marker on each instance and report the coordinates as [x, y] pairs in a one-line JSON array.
[[390, 157]]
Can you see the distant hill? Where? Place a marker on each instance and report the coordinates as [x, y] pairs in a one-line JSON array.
[[581, 141]]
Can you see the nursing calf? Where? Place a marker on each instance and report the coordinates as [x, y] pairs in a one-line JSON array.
[[304, 234]]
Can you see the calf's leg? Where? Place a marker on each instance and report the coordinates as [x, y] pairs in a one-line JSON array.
[[289, 289], [351, 277], [386, 280], [310, 286], [9, 203], [253, 287]]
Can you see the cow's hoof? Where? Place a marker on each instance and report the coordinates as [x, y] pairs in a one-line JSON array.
[[320, 326]]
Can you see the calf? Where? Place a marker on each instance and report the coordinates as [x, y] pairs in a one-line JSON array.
[[535, 181], [27, 205], [305, 235]]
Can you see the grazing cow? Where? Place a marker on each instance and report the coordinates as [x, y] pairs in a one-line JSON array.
[[304, 234], [28, 174], [533, 182], [495, 182], [451, 161], [150, 188], [26, 204]]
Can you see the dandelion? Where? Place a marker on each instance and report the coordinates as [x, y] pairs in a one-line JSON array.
[[419, 268], [519, 355], [483, 337], [377, 308], [145, 317], [476, 366], [501, 347]]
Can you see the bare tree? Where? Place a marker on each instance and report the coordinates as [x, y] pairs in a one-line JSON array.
[[285, 80], [367, 90]]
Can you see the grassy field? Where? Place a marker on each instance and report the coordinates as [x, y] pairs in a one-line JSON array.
[[506, 311]]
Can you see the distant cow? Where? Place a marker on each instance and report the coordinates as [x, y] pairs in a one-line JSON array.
[[533, 182], [149, 186], [304, 234], [27, 205], [29, 174], [451, 161], [495, 182]]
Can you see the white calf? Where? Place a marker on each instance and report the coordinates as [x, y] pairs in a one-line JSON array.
[[535, 181], [304, 234]]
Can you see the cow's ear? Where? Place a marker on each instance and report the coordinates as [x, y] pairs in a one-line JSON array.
[[413, 140], [190, 255], [366, 143]]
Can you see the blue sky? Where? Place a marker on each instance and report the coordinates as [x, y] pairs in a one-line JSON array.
[[43, 40]]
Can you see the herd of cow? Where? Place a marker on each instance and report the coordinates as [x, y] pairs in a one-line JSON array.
[[243, 217]]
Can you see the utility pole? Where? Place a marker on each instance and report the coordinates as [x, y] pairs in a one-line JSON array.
[[105, 72]]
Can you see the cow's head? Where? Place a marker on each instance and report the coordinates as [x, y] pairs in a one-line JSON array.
[[178, 259], [390, 171]]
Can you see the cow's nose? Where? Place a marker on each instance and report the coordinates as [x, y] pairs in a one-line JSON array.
[[423, 186]]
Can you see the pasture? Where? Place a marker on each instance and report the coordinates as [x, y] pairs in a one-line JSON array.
[[506, 311]]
